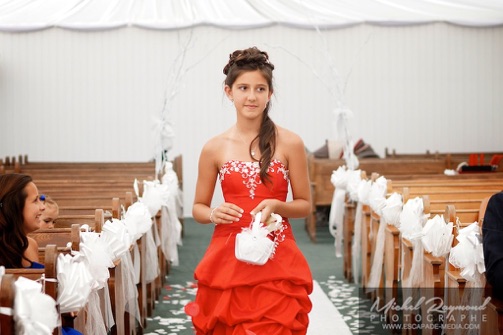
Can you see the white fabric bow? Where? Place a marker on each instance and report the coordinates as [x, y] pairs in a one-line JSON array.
[[115, 234], [75, 282], [392, 209], [364, 188], [437, 236], [353, 182], [468, 254], [35, 313], [377, 195], [412, 219], [99, 257], [138, 219], [155, 195]]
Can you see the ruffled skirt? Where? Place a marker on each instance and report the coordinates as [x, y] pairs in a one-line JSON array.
[[236, 298]]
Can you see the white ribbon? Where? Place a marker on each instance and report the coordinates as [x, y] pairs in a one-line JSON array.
[[171, 228], [390, 211], [339, 179], [100, 258], [152, 260], [356, 245], [362, 193], [130, 292], [35, 313], [412, 220]]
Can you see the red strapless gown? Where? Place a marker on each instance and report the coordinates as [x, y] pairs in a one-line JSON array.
[[236, 298]]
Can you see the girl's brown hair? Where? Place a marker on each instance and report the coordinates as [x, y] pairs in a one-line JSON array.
[[13, 240]]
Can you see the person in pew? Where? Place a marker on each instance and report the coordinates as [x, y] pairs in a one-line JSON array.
[[21, 209], [50, 214], [492, 243], [20, 213], [256, 161]]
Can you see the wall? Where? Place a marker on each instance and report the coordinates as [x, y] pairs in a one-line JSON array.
[[93, 96]]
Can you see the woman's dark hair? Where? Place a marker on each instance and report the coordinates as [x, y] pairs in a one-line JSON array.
[[13, 240], [253, 59]]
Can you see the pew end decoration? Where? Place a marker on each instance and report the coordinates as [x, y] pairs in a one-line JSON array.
[[34, 311]]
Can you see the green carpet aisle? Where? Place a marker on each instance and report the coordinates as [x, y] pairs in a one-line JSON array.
[[169, 317]]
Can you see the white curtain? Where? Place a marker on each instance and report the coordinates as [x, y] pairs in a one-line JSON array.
[[31, 15]]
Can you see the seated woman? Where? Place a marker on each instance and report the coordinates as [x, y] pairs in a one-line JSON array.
[[20, 212]]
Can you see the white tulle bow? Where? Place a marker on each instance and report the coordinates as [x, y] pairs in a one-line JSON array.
[[115, 234], [353, 182], [412, 219], [392, 209], [155, 195], [468, 254], [35, 313], [364, 191], [138, 219], [339, 177], [377, 195], [437, 236], [99, 257], [74, 282]]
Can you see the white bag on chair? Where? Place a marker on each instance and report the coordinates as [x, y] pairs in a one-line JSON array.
[[252, 244]]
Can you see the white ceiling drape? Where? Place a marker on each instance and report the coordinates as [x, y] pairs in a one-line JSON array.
[[32, 15]]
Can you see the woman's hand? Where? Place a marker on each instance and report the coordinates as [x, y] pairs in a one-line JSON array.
[[267, 207], [226, 213]]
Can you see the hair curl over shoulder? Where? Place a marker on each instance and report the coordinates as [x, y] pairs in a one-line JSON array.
[[253, 59], [13, 240]]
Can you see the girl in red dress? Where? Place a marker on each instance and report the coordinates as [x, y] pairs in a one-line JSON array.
[[255, 161]]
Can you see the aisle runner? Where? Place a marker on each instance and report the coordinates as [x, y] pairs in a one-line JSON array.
[[324, 317]]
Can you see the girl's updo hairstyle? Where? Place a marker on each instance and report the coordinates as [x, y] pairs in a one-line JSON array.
[[252, 59]]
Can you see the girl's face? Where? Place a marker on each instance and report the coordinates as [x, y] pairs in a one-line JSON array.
[[48, 216], [33, 209], [250, 93]]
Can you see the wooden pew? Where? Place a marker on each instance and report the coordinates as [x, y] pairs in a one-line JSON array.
[[49, 272], [320, 172], [80, 187], [7, 295], [433, 266]]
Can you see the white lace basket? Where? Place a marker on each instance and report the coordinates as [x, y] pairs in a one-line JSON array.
[[252, 244]]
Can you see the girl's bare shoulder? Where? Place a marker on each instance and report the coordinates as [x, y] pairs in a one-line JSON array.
[[288, 137]]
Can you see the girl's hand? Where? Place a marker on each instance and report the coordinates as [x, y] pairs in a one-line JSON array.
[[267, 207], [226, 213]]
